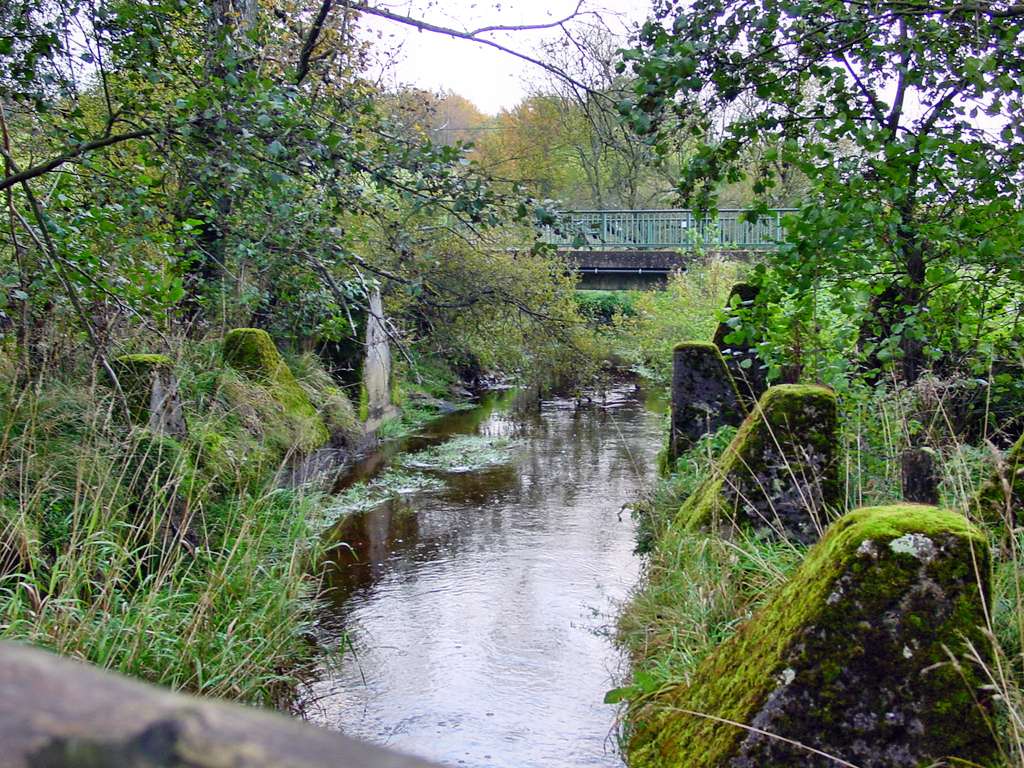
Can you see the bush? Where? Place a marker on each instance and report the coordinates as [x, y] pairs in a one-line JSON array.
[[87, 568], [687, 310]]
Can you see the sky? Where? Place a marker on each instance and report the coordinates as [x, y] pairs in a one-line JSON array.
[[489, 78]]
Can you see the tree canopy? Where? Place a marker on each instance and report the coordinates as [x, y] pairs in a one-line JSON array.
[[906, 119]]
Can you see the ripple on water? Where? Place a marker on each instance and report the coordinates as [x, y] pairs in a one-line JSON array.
[[477, 609]]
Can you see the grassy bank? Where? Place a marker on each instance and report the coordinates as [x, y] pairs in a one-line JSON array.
[[216, 606], [182, 561], [698, 588]]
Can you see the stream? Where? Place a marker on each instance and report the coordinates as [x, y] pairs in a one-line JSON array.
[[472, 620]]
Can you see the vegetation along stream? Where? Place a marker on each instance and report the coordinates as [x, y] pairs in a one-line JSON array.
[[471, 615]]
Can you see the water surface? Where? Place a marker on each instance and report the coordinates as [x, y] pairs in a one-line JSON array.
[[474, 619]]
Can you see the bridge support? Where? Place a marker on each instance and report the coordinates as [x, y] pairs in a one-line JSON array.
[[623, 280]]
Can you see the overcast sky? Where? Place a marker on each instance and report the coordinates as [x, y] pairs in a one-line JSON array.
[[491, 79]]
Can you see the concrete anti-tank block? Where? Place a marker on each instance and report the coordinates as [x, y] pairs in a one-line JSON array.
[[704, 396], [849, 663], [780, 474]]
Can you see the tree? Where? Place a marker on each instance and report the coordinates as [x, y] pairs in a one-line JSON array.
[[906, 118], [619, 171], [140, 178]]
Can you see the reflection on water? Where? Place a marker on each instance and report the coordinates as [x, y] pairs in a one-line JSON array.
[[478, 612]]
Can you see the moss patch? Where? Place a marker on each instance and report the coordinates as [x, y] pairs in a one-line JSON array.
[[848, 658], [780, 474], [252, 351]]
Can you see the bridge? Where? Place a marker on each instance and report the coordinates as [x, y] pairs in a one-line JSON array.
[[638, 249]]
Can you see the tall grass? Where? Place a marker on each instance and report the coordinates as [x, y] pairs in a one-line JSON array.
[[178, 563], [697, 587]]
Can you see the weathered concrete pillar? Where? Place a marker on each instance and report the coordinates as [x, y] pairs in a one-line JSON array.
[[848, 662], [746, 367], [149, 384], [780, 474], [377, 367], [704, 396], [919, 476], [58, 713]]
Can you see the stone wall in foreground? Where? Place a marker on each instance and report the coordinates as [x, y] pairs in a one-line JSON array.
[[58, 713]]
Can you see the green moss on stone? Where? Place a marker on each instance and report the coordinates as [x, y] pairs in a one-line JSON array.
[[849, 658], [135, 374], [364, 403], [252, 351], [780, 472], [1001, 497]]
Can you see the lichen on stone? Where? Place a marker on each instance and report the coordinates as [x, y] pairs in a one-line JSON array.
[[850, 659], [780, 472], [252, 351], [704, 396]]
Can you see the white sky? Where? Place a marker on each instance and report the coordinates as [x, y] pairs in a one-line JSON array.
[[491, 79]]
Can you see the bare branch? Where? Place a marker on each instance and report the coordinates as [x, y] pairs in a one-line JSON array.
[[82, 149], [311, 40], [527, 27], [426, 26]]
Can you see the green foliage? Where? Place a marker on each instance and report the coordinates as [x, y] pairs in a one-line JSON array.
[[485, 307], [187, 168], [910, 230], [688, 309], [86, 569], [602, 307]]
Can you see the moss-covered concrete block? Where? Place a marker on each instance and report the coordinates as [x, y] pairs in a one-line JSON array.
[[780, 473], [704, 396], [252, 351], [746, 367], [1000, 499], [850, 659], [151, 388]]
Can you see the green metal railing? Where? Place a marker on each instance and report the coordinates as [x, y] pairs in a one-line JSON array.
[[669, 229]]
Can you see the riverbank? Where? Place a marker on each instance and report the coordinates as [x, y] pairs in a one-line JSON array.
[[704, 589], [219, 604]]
